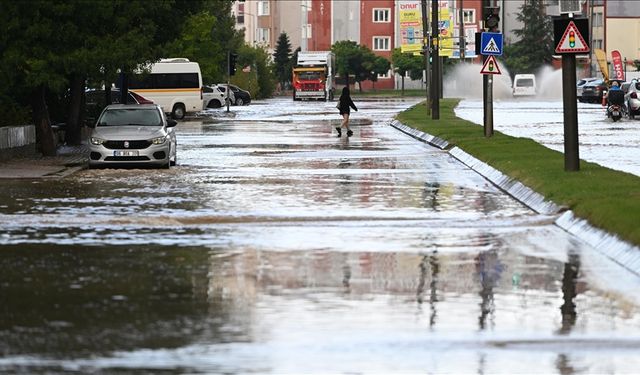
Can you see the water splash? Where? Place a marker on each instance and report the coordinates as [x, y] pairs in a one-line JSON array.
[[465, 81]]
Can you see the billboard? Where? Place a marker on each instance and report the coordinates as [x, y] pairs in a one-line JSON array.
[[410, 17]]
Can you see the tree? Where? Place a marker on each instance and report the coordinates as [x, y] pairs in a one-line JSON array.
[[405, 62], [52, 48], [353, 59], [535, 47], [206, 37], [381, 66], [282, 60], [260, 80]]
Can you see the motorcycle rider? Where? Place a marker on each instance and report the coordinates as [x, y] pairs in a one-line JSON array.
[[617, 98]]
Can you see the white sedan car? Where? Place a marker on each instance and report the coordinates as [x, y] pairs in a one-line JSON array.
[[133, 134], [212, 97]]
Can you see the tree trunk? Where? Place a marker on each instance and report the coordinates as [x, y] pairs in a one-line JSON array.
[[403, 85], [44, 133], [75, 119]]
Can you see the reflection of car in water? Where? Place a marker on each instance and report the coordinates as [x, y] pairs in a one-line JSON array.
[[524, 85]]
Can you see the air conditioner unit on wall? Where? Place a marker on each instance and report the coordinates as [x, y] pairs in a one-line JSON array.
[[570, 6]]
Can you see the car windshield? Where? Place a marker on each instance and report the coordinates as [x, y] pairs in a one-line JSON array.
[[123, 117]]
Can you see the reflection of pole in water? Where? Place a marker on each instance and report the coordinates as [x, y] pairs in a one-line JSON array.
[[433, 287], [568, 308], [563, 364], [422, 279], [429, 262], [489, 270]]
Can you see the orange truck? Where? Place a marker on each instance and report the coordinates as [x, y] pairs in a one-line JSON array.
[[314, 76]]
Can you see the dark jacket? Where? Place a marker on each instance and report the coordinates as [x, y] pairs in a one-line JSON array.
[[344, 103]]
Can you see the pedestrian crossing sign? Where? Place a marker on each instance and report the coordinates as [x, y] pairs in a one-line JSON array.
[[490, 66], [491, 44]]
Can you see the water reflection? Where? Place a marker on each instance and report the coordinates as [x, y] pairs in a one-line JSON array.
[[489, 270], [569, 280]]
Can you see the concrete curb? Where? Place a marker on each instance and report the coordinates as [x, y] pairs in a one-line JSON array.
[[621, 252]]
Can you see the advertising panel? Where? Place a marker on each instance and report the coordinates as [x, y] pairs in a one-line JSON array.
[[445, 25], [618, 69], [410, 17]]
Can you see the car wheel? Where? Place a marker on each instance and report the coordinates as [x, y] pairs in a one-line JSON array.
[[214, 104], [178, 112], [239, 101]]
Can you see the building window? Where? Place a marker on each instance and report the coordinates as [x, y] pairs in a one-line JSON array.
[[306, 31], [597, 19], [263, 8], [469, 15], [262, 35], [240, 17], [381, 15], [381, 43], [597, 44]]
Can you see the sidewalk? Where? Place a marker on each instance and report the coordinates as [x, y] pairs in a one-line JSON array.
[[70, 159]]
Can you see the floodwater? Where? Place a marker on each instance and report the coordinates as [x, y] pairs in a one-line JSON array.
[[275, 247], [614, 145]]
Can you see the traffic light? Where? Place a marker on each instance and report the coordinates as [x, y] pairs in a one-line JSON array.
[[232, 63], [491, 18]]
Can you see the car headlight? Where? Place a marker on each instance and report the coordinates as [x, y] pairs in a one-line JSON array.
[[159, 140], [97, 141]]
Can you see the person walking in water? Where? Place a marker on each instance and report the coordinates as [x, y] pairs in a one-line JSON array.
[[344, 105]]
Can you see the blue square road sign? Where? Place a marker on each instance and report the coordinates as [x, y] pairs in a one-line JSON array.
[[491, 44]]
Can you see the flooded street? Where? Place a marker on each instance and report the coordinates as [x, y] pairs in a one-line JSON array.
[[275, 247]]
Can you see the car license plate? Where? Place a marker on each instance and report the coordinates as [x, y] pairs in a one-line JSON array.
[[125, 153], [616, 113]]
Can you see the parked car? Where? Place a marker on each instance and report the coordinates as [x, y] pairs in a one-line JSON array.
[[223, 88], [632, 99], [96, 101], [136, 134], [212, 97], [592, 91], [580, 84], [240, 96]]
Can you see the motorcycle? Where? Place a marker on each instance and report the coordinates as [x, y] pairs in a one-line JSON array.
[[615, 104]]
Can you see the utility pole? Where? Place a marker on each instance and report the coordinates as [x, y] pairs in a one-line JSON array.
[[462, 34], [425, 49], [435, 79]]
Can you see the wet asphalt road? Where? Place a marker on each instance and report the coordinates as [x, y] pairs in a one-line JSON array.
[[275, 247]]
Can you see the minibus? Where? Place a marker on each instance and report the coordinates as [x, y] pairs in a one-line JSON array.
[[174, 84], [524, 85]]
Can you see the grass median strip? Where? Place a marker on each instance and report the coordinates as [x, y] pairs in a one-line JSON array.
[[608, 199]]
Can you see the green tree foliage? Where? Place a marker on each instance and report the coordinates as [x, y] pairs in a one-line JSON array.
[[50, 48], [206, 37], [404, 63], [282, 60], [535, 47], [381, 66], [353, 60], [259, 79]]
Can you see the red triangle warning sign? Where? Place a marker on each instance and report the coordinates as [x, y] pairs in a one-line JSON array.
[[490, 66], [572, 41]]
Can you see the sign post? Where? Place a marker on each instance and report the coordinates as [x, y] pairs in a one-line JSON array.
[[490, 47], [570, 37]]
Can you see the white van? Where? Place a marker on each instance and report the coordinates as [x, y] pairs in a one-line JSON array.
[[174, 84], [524, 85]]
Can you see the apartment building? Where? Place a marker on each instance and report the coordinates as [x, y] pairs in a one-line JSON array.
[[315, 25]]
